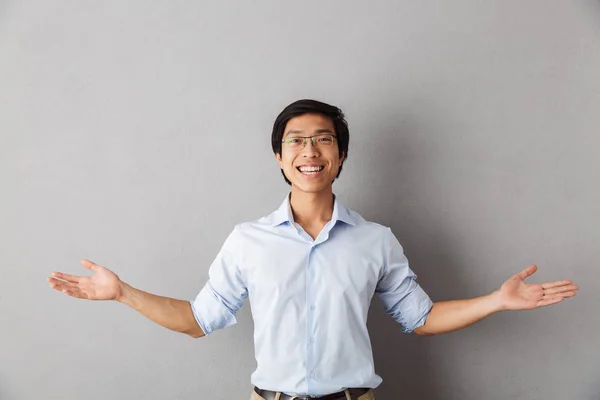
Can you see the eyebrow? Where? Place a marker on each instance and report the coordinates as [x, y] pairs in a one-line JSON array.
[[318, 132]]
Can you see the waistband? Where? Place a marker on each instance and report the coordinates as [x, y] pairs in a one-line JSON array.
[[272, 395]]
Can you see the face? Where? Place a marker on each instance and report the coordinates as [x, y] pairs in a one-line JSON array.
[[311, 169]]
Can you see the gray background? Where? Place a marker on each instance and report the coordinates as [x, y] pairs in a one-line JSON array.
[[136, 134]]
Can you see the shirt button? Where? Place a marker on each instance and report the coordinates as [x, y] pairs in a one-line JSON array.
[[312, 374], [312, 340], [312, 307]]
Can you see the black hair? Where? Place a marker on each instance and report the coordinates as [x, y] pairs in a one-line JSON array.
[[307, 106]]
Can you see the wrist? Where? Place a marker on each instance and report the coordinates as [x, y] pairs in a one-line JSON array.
[[497, 301], [122, 291]]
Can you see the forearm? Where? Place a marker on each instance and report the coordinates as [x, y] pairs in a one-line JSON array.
[[448, 316], [173, 314]]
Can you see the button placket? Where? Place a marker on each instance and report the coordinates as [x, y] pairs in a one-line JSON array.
[[310, 299]]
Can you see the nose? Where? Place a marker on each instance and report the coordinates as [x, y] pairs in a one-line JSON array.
[[310, 150]]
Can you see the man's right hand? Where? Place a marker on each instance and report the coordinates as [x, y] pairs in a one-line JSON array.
[[102, 285]]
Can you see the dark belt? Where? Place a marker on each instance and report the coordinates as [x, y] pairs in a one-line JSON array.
[[270, 395]]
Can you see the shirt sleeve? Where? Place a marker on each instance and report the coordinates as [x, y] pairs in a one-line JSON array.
[[397, 288], [224, 292]]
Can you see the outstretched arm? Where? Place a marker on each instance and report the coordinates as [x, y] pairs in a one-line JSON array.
[[514, 294], [104, 284]]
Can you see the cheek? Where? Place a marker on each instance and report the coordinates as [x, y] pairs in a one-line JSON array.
[[337, 161], [287, 161]]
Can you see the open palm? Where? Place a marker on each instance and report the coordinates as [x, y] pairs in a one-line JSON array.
[[516, 294], [102, 285]]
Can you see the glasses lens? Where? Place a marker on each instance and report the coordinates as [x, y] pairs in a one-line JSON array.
[[324, 140], [295, 142]]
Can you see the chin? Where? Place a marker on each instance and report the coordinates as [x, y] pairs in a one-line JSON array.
[[311, 188]]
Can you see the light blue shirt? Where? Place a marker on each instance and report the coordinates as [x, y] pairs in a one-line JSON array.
[[310, 298]]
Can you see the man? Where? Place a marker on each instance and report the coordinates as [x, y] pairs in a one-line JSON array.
[[310, 270]]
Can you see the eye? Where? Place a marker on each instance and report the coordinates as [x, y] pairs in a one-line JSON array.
[[294, 140], [325, 139]]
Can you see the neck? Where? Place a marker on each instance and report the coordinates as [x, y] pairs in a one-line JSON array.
[[312, 208]]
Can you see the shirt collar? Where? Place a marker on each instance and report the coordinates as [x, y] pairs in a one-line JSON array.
[[284, 213]]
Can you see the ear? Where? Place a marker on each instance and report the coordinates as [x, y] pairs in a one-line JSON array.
[[342, 156], [279, 160]]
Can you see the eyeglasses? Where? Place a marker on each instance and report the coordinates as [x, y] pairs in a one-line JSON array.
[[299, 142]]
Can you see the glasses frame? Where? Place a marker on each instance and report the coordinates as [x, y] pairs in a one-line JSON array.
[[312, 140]]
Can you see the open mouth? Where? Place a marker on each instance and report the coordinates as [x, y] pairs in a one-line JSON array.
[[310, 170]]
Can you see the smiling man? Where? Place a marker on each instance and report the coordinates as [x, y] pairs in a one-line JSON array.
[[310, 270]]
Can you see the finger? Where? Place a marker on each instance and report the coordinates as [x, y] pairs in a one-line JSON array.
[[560, 289], [66, 277], [90, 265], [527, 271], [548, 302], [549, 285], [568, 294], [61, 285], [77, 294], [554, 296], [72, 292]]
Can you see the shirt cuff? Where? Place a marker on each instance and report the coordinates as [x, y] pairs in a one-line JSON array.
[[210, 311]]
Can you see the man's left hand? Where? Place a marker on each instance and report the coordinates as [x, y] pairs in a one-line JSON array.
[[516, 294]]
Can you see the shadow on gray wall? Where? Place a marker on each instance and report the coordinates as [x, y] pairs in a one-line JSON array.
[[397, 198]]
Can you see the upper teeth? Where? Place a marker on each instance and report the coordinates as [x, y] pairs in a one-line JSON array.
[[311, 168]]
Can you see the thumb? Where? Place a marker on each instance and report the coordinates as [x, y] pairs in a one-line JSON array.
[[90, 265], [527, 271]]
